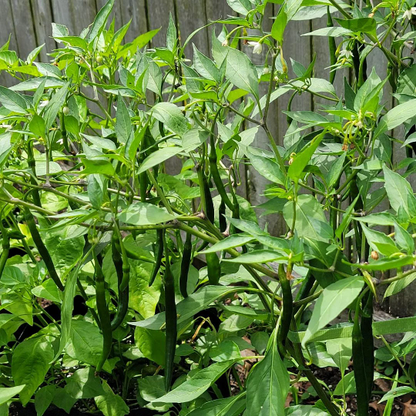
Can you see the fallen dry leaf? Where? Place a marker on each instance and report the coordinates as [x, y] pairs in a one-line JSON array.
[[409, 409], [378, 407], [383, 384]]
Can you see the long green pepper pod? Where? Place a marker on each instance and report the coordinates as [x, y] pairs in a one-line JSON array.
[[43, 251], [103, 314], [171, 323], [5, 246], [160, 242], [287, 312], [185, 264], [123, 294], [363, 353]]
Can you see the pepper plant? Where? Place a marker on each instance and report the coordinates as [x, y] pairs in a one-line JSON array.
[[127, 288]]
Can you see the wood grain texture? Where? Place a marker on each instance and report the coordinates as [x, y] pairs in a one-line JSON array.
[[134, 10], [158, 12], [24, 30], [42, 23], [196, 9]]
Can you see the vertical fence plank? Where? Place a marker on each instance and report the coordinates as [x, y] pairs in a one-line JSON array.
[[42, 22], [158, 12], [134, 10], [24, 30], [6, 30], [196, 9], [75, 15], [298, 48]]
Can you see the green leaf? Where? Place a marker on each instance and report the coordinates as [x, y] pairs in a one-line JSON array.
[[329, 31], [241, 71], [151, 387], [158, 157], [143, 299], [268, 384], [171, 116], [123, 124], [399, 191], [188, 307], [141, 213], [84, 384], [12, 101], [6, 393], [197, 384], [30, 364], [230, 406], [205, 67], [232, 241], [396, 116], [151, 344], [332, 301], [54, 106], [44, 398], [5, 147], [240, 6], [279, 25], [364, 25], [291, 7], [302, 159], [399, 285], [48, 290], [111, 404], [397, 392], [267, 168], [86, 343], [380, 242], [37, 126], [100, 21], [310, 218], [346, 385], [341, 351], [256, 256], [98, 166]]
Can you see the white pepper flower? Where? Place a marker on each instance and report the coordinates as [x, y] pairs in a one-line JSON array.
[[257, 47], [409, 13]]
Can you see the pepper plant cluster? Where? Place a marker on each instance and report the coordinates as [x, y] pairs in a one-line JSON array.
[[126, 288]]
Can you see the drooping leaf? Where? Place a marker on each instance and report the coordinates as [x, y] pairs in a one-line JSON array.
[[171, 116], [268, 384], [111, 404], [141, 213], [197, 384], [241, 71], [30, 364], [332, 301]]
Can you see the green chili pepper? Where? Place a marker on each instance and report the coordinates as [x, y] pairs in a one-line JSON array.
[[214, 268], [171, 323], [363, 354], [6, 248], [32, 164], [160, 237], [123, 295], [185, 264], [214, 166], [103, 313], [206, 198], [332, 48], [221, 215], [287, 312], [143, 183], [43, 251]]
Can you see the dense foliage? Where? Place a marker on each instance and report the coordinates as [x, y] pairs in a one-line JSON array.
[[124, 287]]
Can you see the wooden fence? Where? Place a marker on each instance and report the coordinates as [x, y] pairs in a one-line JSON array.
[[28, 23]]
